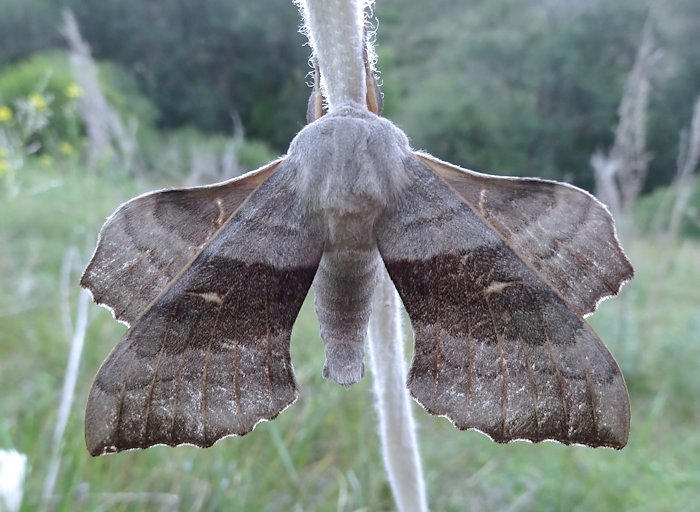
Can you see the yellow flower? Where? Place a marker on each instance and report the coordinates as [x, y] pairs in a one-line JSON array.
[[37, 101], [4, 166], [45, 160], [74, 91], [65, 148], [5, 114]]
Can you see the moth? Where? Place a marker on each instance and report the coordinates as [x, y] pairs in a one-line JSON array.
[[495, 273]]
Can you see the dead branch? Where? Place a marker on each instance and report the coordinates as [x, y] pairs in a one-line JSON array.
[[67, 394], [688, 159], [105, 130], [621, 173]]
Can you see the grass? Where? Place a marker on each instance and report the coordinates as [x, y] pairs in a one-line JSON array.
[[323, 452]]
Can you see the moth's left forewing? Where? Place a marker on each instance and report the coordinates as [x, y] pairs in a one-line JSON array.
[[496, 348], [209, 357], [150, 239]]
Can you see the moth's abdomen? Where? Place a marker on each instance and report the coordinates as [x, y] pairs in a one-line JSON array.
[[343, 290]]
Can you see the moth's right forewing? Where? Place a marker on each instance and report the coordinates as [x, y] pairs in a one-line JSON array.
[[562, 232], [148, 241]]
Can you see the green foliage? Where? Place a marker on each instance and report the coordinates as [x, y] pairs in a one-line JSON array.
[[122, 92], [676, 84], [199, 62], [532, 88], [652, 213], [170, 154], [27, 26], [323, 452], [46, 80], [49, 75], [252, 154], [524, 88], [507, 87]]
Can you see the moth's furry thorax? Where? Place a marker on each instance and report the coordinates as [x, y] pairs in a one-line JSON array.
[[350, 162]]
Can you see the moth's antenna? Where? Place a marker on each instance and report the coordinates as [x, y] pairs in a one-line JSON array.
[[336, 32]]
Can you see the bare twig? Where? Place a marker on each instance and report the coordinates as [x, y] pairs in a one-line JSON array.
[[688, 158], [621, 173], [681, 190], [105, 129], [204, 167], [71, 376], [65, 286]]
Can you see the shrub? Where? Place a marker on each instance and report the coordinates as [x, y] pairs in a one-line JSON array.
[[48, 79], [39, 95], [176, 153], [652, 212]]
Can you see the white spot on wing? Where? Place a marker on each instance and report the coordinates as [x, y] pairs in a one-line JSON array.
[[209, 297], [495, 287], [222, 215]]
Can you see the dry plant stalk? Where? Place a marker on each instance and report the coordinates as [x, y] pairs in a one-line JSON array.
[[621, 173], [396, 424], [344, 79], [105, 129], [688, 158], [209, 165], [77, 335], [680, 192]]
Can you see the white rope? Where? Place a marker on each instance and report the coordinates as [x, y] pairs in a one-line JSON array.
[[335, 29], [396, 426]]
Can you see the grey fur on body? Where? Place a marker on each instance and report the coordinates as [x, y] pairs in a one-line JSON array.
[[351, 168]]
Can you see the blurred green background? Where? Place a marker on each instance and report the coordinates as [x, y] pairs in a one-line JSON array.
[[203, 90]]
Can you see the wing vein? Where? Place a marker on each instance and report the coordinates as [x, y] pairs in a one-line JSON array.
[[175, 398], [122, 394], [531, 378], [235, 356], [557, 368], [589, 388], [151, 386], [135, 295], [205, 371], [268, 342], [502, 364], [438, 346], [470, 356]]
